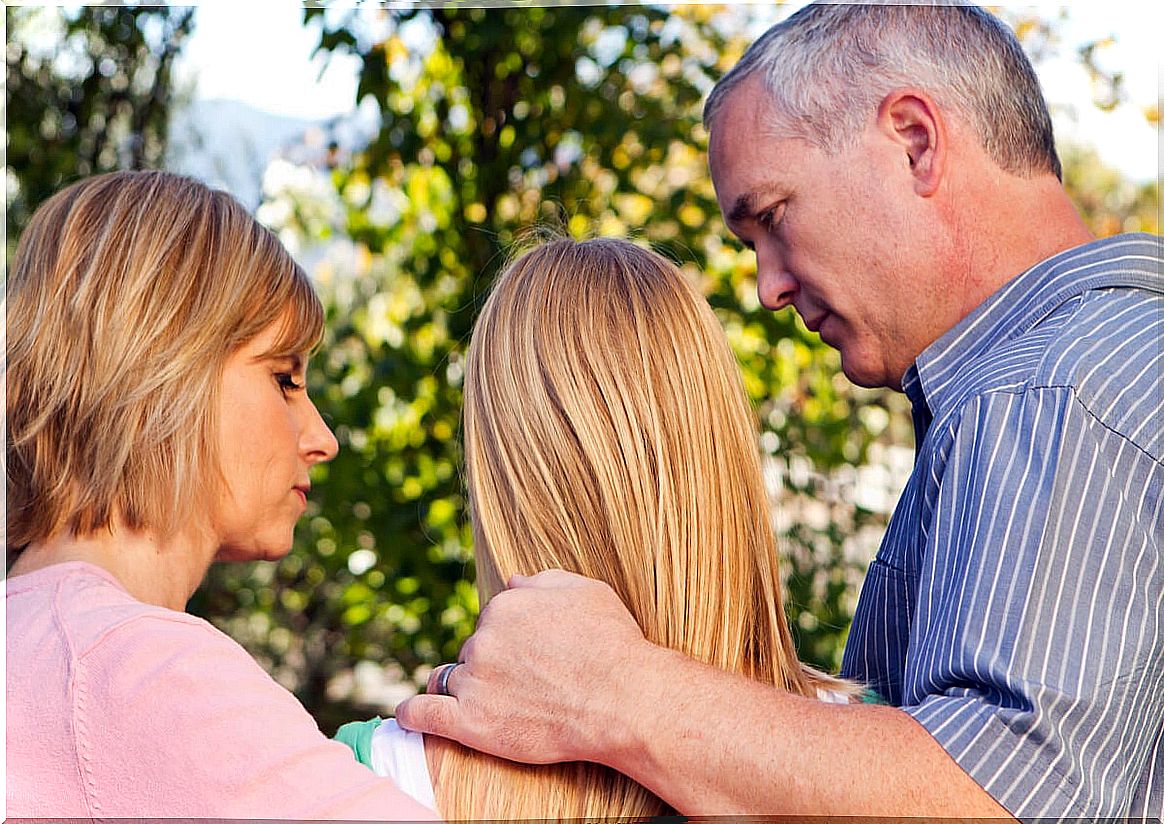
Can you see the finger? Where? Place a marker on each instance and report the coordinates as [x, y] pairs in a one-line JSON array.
[[433, 685], [466, 652], [431, 714]]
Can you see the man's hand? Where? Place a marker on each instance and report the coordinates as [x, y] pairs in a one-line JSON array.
[[559, 671], [537, 681]]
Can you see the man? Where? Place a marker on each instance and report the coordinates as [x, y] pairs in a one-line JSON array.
[[893, 168]]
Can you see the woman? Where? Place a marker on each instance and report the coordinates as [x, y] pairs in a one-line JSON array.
[[157, 421], [607, 433]]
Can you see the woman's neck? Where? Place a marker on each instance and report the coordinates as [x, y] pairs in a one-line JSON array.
[[154, 571]]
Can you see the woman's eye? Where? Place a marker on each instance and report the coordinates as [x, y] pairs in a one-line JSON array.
[[287, 382]]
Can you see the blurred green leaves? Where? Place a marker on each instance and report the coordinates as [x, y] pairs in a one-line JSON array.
[[88, 90], [490, 123], [582, 119]]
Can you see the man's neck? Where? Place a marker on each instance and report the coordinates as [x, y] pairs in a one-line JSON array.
[[1028, 221]]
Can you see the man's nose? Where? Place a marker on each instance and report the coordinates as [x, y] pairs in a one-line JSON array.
[[775, 285]]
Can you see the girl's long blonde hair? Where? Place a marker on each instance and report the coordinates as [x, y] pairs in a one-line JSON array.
[[607, 433]]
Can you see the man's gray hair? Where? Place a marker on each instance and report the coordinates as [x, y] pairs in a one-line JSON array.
[[827, 67]]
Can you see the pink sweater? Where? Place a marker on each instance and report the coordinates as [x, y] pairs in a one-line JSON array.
[[120, 709]]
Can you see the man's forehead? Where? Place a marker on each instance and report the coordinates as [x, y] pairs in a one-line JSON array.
[[746, 96], [747, 173], [730, 142], [745, 121]]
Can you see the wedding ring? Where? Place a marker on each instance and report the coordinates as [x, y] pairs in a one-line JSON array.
[[441, 687]]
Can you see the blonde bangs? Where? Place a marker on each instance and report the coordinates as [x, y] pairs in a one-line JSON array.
[[283, 295], [302, 321]]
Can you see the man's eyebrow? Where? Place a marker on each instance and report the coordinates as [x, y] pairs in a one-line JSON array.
[[744, 207]]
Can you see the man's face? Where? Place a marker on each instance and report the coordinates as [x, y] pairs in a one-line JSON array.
[[833, 235]]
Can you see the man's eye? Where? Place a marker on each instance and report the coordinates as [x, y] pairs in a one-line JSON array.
[[770, 217]]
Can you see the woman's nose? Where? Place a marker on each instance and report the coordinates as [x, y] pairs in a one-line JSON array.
[[318, 442]]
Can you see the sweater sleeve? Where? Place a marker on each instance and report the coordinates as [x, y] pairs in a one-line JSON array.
[[174, 719]]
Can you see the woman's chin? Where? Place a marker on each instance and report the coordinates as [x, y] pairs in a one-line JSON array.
[[243, 554]]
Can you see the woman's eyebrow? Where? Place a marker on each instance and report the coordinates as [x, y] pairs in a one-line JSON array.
[[294, 360]]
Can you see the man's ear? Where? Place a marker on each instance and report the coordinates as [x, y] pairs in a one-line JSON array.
[[911, 119]]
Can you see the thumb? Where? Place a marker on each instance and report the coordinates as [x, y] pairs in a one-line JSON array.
[[430, 714]]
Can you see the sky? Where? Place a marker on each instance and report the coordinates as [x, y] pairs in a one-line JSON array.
[[260, 54]]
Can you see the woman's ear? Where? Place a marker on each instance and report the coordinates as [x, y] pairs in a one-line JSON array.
[[911, 119]]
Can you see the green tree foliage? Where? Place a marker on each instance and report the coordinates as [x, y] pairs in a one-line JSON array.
[[586, 119], [1109, 202], [492, 121], [88, 90]]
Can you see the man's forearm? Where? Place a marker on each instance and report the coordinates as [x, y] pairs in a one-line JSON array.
[[713, 743], [559, 671]]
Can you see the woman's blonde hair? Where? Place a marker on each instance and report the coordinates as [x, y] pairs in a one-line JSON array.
[[127, 293], [607, 433]]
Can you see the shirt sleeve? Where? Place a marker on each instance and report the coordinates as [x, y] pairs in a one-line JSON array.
[[357, 736], [1035, 652], [174, 719], [399, 753]]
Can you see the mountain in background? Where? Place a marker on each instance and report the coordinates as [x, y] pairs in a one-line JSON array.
[[228, 144]]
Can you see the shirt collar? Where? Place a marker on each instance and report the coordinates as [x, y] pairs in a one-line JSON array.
[[1123, 260]]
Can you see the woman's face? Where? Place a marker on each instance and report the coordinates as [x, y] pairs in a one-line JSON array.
[[270, 434]]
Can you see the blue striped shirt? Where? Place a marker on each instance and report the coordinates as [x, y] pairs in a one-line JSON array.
[[1016, 606]]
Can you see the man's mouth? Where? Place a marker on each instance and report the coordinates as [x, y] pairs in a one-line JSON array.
[[815, 324]]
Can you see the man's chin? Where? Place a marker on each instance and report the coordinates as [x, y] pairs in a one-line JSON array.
[[861, 375]]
